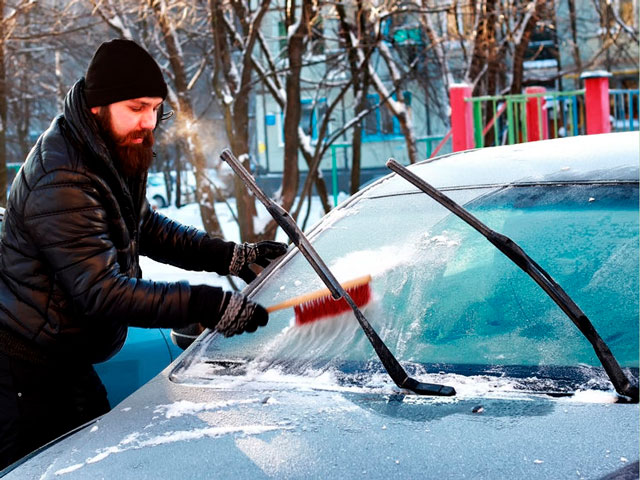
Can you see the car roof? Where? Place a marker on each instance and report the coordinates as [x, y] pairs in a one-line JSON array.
[[583, 158]]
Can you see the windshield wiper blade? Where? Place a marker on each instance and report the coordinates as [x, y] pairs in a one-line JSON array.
[[514, 252], [282, 217]]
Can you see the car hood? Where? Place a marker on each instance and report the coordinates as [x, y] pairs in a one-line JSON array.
[[278, 430]]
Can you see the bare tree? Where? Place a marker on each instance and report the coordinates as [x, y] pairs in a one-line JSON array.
[[9, 17], [237, 68], [186, 119], [295, 53], [600, 34], [353, 35], [535, 12], [297, 43], [400, 69], [232, 81], [46, 48], [397, 105]]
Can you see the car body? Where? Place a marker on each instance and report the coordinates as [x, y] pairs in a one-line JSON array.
[[219, 179], [157, 189], [313, 400], [145, 353]]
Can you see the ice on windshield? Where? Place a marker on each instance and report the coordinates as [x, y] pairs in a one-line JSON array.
[[443, 296]]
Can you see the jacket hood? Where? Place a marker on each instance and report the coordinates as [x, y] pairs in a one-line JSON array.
[[81, 123]]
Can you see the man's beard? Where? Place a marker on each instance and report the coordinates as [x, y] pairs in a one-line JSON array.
[[131, 159]]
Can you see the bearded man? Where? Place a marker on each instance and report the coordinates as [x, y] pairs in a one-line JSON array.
[[76, 222]]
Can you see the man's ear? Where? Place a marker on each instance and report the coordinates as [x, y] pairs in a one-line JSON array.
[[95, 110]]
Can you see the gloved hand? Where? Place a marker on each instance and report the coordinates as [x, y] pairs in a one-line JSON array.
[[239, 314], [230, 313], [261, 253]]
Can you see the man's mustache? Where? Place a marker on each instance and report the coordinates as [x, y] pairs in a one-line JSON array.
[[146, 136]]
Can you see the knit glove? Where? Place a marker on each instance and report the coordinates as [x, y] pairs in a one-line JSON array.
[[230, 313], [261, 253]]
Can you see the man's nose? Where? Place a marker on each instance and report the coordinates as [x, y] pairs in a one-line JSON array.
[[148, 120]]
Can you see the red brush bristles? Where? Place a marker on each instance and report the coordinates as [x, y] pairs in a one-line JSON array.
[[328, 307]]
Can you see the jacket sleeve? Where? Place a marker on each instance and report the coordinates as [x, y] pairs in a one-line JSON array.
[[67, 220], [168, 241]]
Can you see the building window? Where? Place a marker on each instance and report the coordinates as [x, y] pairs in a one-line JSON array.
[[543, 45], [317, 36], [310, 117], [380, 122], [312, 114], [316, 39]]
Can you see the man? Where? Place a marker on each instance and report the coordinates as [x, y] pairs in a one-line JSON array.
[[76, 222]]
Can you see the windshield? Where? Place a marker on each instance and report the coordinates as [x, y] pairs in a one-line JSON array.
[[444, 297]]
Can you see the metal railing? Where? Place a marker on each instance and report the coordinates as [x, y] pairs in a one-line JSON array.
[[508, 122], [502, 119], [624, 109]]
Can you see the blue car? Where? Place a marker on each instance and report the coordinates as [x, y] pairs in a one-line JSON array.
[[145, 353], [523, 393]]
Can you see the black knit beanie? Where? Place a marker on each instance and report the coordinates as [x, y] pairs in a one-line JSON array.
[[121, 70]]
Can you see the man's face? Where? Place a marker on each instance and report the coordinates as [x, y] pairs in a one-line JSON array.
[[131, 117], [130, 124]]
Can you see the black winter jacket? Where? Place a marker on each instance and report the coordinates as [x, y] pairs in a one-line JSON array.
[[69, 273]]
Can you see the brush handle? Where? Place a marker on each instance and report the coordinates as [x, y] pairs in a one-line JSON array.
[[324, 292]]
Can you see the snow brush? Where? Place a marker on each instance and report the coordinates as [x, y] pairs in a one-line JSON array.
[[313, 306], [284, 220]]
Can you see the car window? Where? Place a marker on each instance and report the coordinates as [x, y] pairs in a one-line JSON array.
[[444, 296], [155, 180]]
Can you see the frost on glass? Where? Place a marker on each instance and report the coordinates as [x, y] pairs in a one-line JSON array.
[[443, 295]]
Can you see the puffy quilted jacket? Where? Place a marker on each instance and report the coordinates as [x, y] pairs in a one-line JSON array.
[[69, 274]]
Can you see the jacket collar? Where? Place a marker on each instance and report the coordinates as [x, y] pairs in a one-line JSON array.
[[83, 127]]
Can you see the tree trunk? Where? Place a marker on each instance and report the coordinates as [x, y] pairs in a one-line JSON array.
[[24, 105], [226, 83], [575, 49], [521, 47], [292, 113], [186, 122], [295, 50], [360, 87], [482, 45]]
